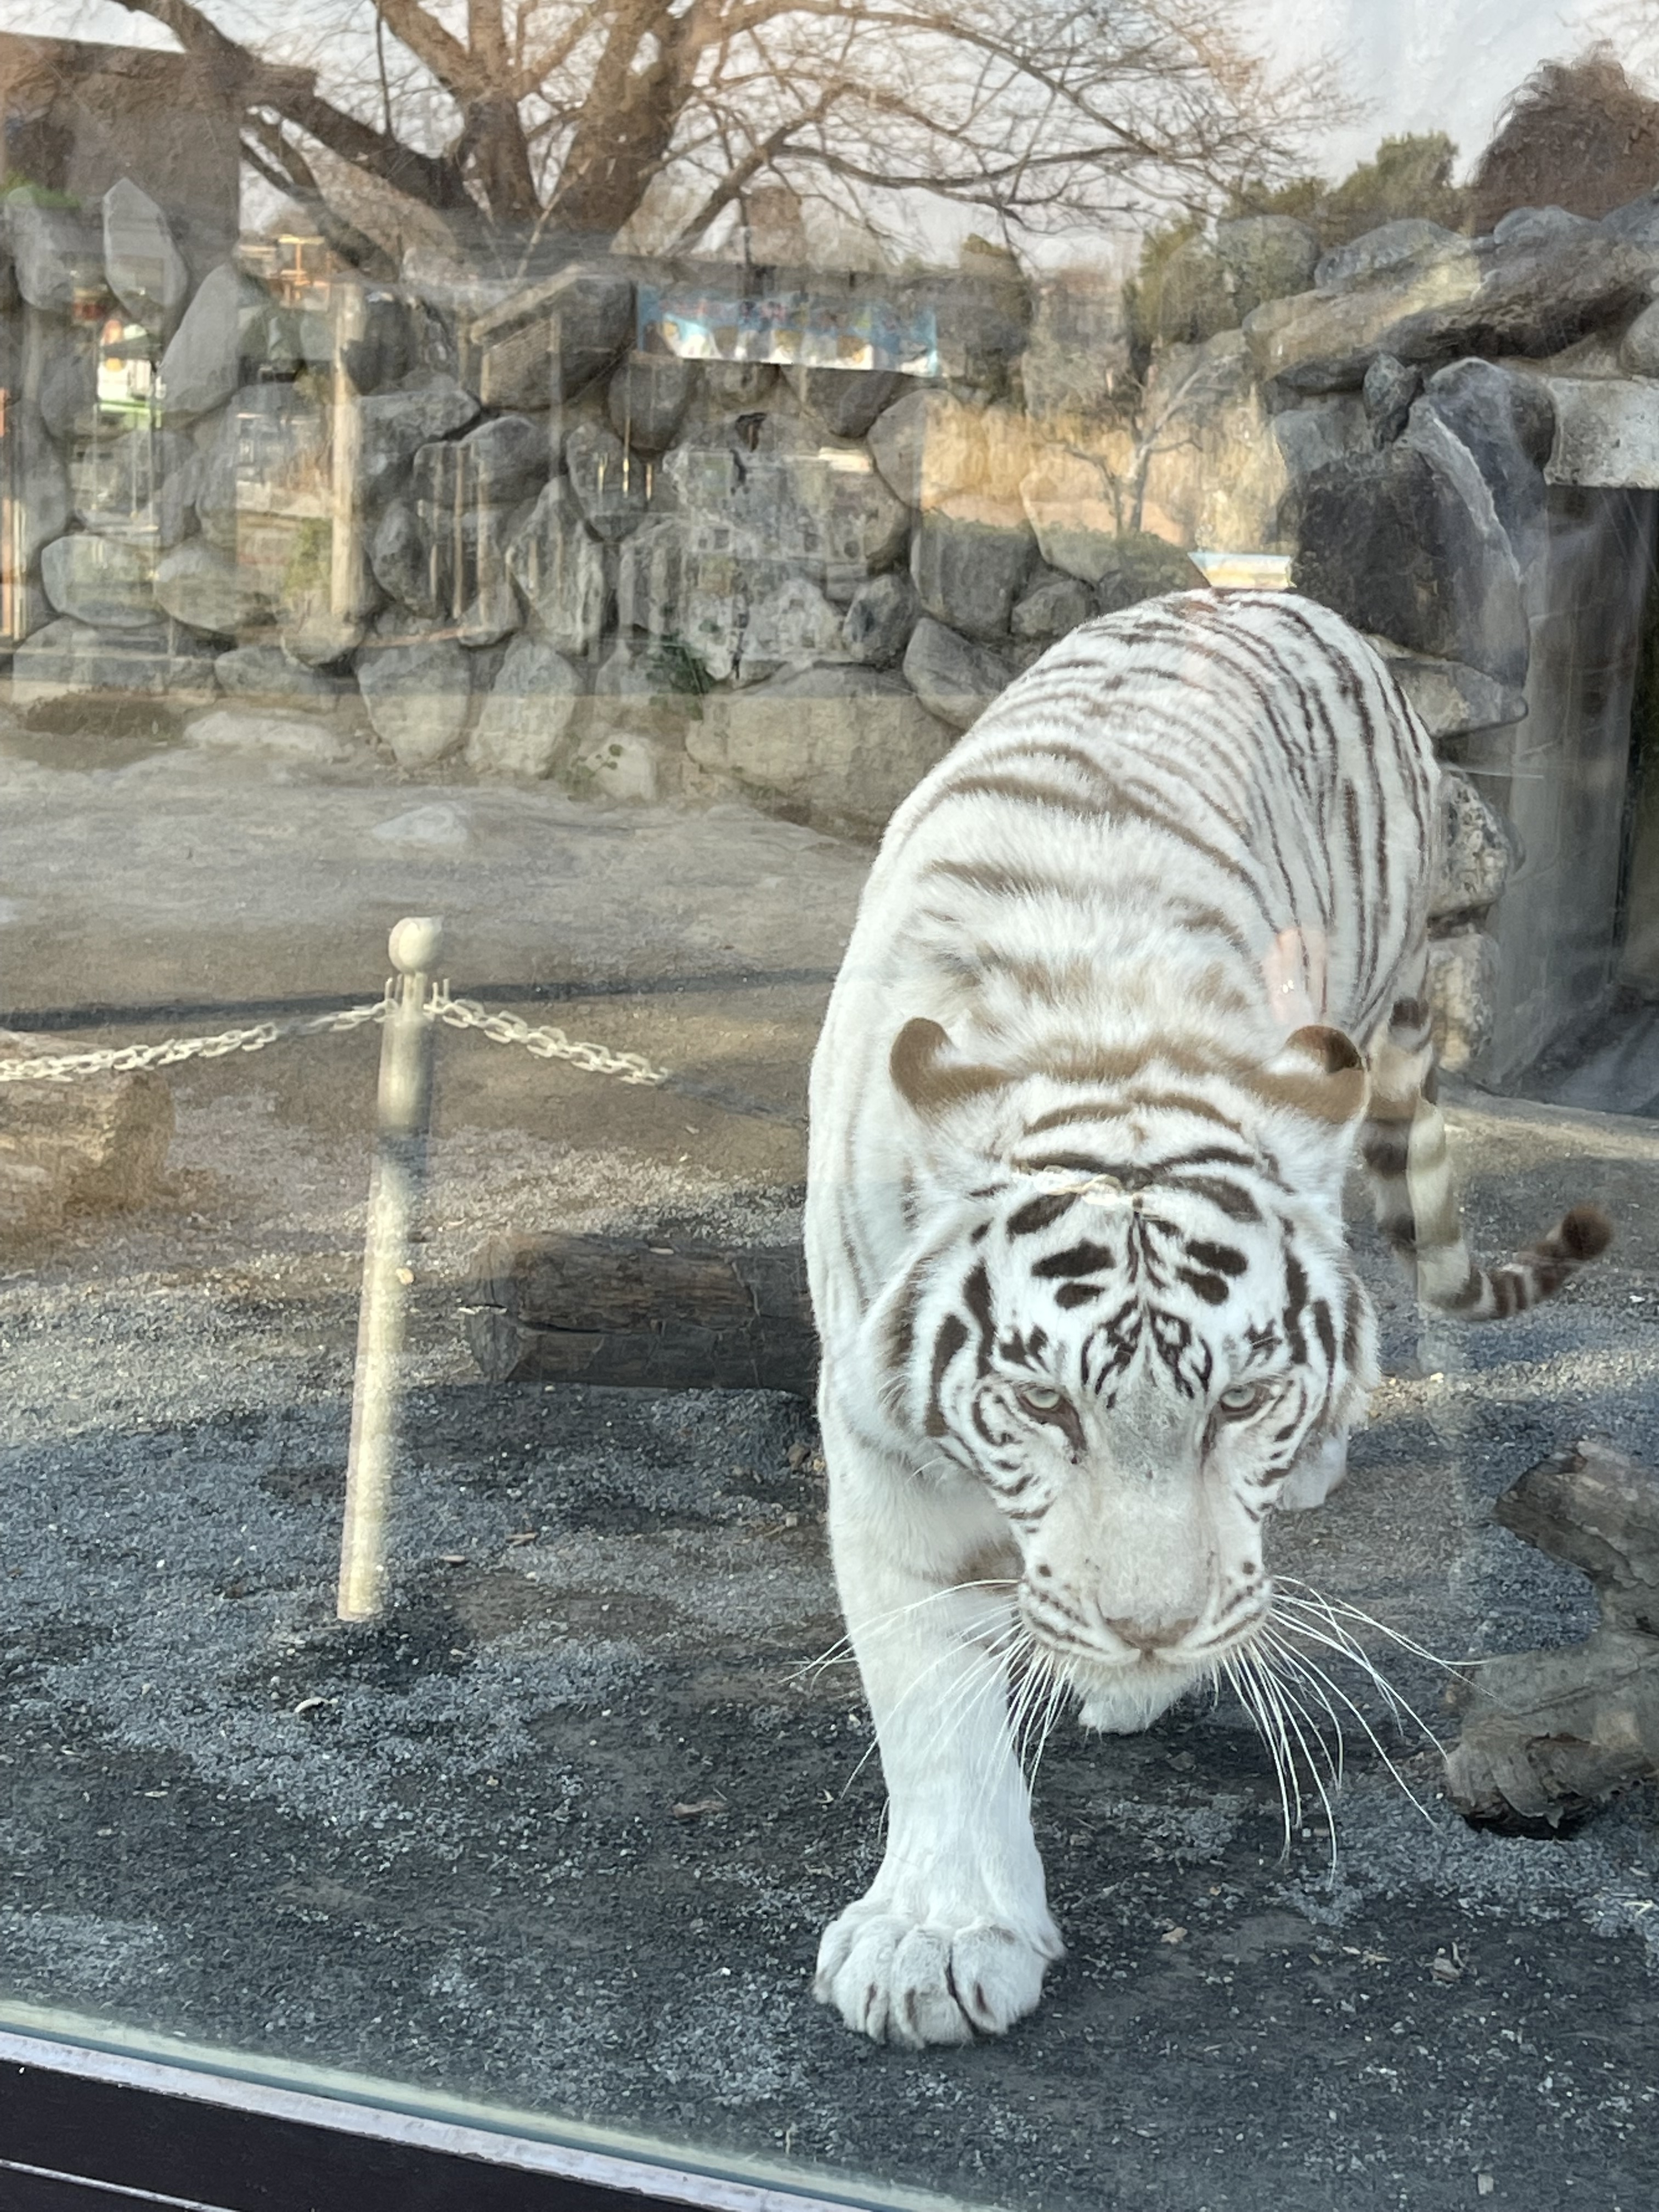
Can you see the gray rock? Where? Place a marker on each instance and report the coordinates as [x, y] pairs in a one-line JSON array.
[[646, 399], [263, 675], [846, 401], [60, 374], [393, 426], [671, 587], [1078, 359], [1408, 243], [145, 268], [68, 659], [1638, 349], [311, 631], [40, 485], [491, 614], [608, 481], [968, 571], [559, 572], [538, 346], [137, 486], [1406, 541], [208, 591], [1449, 697], [877, 626], [1322, 430], [837, 747], [402, 560], [56, 254], [1475, 854], [1506, 422], [898, 440], [1463, 986], [417, 696], [499, 464], [1529, 302], [1387, 392], [382, 351], [1527, 226], [1143, 566], [1267, 257], [1636, 222], [1051, 609], [523, 727], [226, 321], [954, 679], [780, 495], [98, 581]]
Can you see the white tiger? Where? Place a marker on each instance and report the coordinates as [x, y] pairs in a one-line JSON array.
[[1137, 965]]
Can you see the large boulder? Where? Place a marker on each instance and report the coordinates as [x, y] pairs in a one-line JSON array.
[[208, 591], [60, 375], [559, 572], [1410, 242], [393, 426], [1507, 423], [499, 462], [1078, 360], [846, 401], [417, 696], [931, 446], [838, 747], [41, 485], [145, 268], [879, 618], [1052, 606], [401, 555], [268, 455], [1462, 986], [536, 347], [1069, 505], [1467, 299], [1406, 541], [1475, 855], [100, 582], [1214, 475], [71, 660], [523, 725], [1447, 697], [968, 560], [955, 679], [1320, 431], [228, 322]]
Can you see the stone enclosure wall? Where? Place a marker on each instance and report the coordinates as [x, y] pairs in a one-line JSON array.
[[483, 530]]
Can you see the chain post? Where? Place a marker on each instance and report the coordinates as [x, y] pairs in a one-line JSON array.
[[405, 1092]]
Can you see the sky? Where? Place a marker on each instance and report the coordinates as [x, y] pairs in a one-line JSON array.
[[1416, 65]]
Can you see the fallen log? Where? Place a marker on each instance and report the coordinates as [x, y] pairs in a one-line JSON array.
[[674, 1315], [1550, 1734]]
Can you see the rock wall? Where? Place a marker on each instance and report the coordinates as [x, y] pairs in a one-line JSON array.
[[477, 528]]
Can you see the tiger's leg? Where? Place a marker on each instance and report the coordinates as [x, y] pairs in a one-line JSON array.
[[953, 1935]]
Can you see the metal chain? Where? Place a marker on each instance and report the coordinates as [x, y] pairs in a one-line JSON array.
[[457, 1013], [546, 1043], [122, 1059]]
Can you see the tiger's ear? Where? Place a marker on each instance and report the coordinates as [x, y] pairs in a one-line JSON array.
[[927, 1074], [1318, 1072]]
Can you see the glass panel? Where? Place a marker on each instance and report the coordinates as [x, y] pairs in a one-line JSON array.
[[523, 496]]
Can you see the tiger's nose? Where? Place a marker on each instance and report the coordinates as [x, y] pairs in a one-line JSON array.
[[1152, 1635]]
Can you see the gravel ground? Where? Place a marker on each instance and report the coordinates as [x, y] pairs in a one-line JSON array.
[[560, 1831]]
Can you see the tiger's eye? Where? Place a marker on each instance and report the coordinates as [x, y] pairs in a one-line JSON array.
[[1243, 1398], [1039, 1398]]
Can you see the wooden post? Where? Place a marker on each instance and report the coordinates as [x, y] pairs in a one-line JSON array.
[[399, 1161]]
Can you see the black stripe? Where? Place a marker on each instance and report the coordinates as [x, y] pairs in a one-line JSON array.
[[1076, 1260]]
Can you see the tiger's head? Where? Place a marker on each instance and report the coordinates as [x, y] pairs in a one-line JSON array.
[[1129, 1329]]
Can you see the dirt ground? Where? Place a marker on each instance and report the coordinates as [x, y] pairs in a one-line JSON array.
[[561, 1830]]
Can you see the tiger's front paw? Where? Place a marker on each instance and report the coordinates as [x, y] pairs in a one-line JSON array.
[[898, 1978]]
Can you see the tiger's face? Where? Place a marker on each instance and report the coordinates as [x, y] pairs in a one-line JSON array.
[[1132, 1367]]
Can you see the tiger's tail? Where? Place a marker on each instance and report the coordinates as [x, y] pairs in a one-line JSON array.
[[1403, 1145]]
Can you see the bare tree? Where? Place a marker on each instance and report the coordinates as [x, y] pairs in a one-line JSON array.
[[579, 118]]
